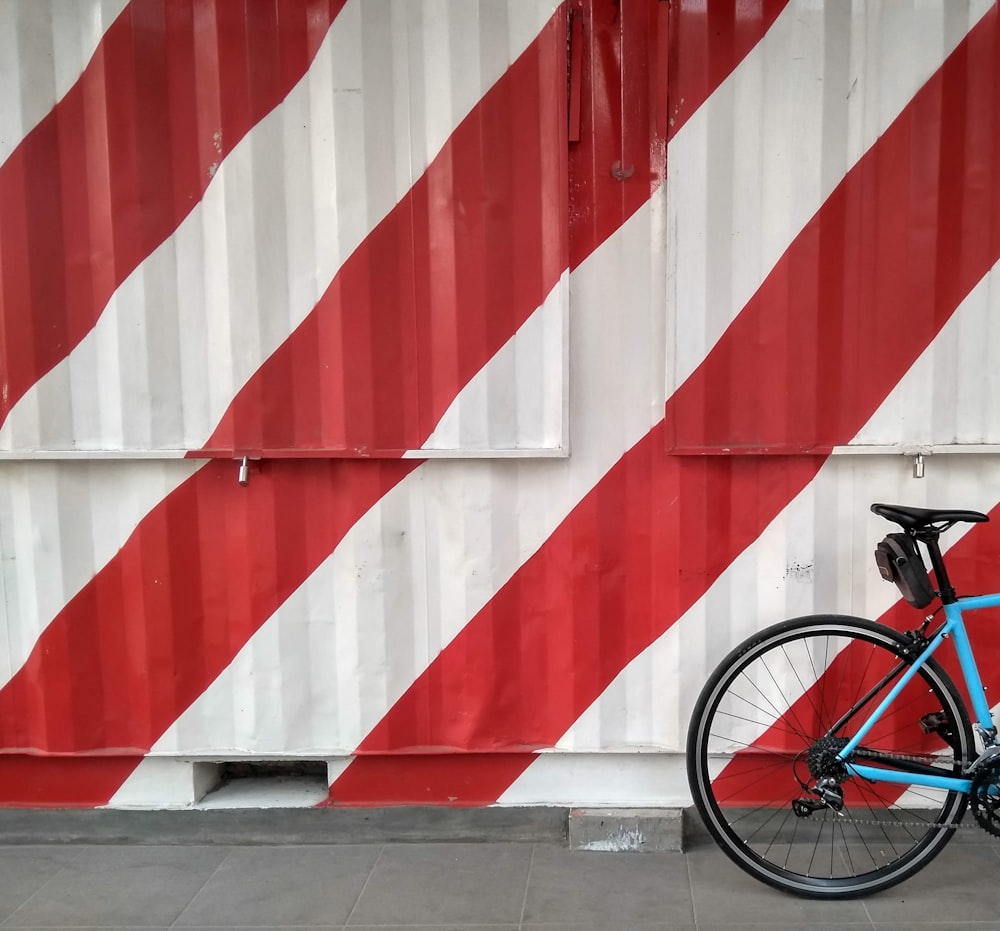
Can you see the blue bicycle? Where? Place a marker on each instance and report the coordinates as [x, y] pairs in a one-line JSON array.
[[831, 756]]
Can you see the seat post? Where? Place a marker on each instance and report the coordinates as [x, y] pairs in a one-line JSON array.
[[930, 540]]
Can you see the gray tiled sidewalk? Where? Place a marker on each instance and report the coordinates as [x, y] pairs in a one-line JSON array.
[[454, 887]]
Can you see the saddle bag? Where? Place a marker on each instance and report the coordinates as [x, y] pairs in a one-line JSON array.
[[899, 561]]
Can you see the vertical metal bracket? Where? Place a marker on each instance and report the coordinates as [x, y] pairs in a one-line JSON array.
[[918, 465], [576, 52], [244, 475]]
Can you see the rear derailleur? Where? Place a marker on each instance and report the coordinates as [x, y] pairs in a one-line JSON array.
[[829, 795], [828, 771]]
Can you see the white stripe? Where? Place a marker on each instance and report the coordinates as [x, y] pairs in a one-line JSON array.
[[290, 203], [755, 163], [602, 780], [518, 402], [952, 392], [421, 563], [44, 47]]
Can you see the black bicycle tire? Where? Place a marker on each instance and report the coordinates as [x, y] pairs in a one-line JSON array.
[[727, 839]]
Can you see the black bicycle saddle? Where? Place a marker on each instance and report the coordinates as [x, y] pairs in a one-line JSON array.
[[915, 518]]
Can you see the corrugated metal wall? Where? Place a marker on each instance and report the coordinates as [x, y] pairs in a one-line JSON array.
[[294, 228], [769, 234], [849, 186]]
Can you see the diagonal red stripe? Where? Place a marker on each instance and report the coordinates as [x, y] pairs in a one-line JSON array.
[[657, 531], [123, 158], [434, 291], [454, 779], [74, 782]]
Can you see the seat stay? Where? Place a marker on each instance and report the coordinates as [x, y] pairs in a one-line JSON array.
[[893, 693], [857, 707]]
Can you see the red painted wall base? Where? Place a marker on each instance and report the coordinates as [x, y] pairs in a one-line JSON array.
[[61, 781]]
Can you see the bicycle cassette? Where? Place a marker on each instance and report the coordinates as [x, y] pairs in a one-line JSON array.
[[984, 797]]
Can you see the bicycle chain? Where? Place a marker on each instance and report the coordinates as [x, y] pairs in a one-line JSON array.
[[929, 761]]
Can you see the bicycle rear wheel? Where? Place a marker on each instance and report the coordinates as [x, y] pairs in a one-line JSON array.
[[763, 732]]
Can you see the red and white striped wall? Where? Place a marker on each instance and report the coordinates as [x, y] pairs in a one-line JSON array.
[[567, 344]]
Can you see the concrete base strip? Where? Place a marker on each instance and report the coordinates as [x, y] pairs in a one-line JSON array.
[[235, 826], [611, 830]]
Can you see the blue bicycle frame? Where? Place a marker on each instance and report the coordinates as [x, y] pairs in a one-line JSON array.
[[954, 627]]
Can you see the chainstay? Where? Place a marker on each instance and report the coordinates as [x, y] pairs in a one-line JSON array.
[[928, 760]]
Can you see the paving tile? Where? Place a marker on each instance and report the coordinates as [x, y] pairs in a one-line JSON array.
[[813, 926], [989, 852], [445, 884], [452, 927], [114, 887], [23, 870], [971, 833], [286, 886], [950, 925], [960, 884], [610, 889], [462, 887], [724, 895], [609, 926], [937, 925]]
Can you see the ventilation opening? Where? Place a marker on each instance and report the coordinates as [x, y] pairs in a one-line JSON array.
[[268, 784], [232, 770]]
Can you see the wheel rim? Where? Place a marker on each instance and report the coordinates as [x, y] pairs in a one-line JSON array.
[[762, 716]]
